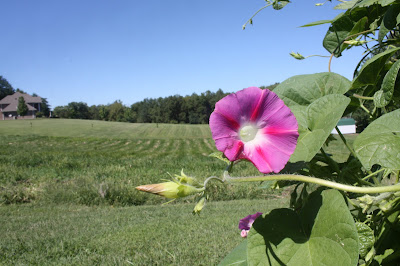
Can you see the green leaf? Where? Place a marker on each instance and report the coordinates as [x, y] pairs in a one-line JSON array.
[[379, 143], [323, 233], [317, 103], [385, 94], [388, 22], [366, 3], [387, 2], [342, 27], [237, 257], [220, 155], [366, 238], [279, 4], [316, 123], [304, 89], [346, 5], [370, 71], [315, 23]]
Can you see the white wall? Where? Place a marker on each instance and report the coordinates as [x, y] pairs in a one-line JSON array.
[[348, 129]]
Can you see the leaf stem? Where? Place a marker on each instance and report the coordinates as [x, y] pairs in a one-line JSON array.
[[363, 97], [365, 108], [318, 181], [374, 173], [345, 142]]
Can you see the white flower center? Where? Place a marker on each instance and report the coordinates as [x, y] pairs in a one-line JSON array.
[[248, 133]]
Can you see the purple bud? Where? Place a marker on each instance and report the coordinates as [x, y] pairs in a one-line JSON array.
[[247, 222]]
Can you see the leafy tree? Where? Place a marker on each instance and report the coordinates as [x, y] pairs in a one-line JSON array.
[[61, 112], [116, 111], [78, 110], [22, 108], [5, 88], [45, 107], [19, 90], [103, 112], [94, 112]]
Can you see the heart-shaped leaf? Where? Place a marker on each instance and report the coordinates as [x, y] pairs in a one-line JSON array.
[[317, 102], [323, 233], [237, 257], [316, 122], [304, 89], [379, 143]]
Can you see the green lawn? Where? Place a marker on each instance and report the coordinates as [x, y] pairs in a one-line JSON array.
[[55, 169], [142, 235], [102, 129]]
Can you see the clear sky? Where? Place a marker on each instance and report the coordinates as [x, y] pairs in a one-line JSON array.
[[99, 51]]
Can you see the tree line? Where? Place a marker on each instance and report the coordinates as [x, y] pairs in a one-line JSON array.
[[191, 109]]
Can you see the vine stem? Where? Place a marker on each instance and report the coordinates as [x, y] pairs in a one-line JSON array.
[[251, 19], [318, 181], [210, 178], [353, 152], [362, 97]]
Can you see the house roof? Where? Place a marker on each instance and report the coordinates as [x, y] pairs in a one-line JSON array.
[[12, 107], [346, 122], [9, 99]]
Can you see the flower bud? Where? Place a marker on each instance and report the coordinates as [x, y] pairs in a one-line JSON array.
[[355, 42], [171, 190], [247, 222], [184, 179], [297, 56], [199, 206]]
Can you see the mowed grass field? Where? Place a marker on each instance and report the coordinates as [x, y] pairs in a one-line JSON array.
[[67, 194], [102, 129]]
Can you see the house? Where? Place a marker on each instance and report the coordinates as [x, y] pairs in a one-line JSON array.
[[346, 126], [9, 106]]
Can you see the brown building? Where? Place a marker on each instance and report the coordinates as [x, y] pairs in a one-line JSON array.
[[9, 106]]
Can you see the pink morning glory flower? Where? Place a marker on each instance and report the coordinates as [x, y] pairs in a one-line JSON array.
[[246, 223], [255, 125]]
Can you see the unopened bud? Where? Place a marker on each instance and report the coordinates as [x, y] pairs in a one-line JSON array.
[[199, 206], [297, 56], [171, 190], [184, 179], [355, 42]]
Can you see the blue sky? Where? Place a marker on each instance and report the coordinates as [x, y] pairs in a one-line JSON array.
[[98, 51]]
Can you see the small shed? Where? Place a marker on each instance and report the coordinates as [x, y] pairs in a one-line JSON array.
[[346, 126]]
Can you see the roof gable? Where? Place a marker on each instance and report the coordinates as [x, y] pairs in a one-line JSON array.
[[9, 99]]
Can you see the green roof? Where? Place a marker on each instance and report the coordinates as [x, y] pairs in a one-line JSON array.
[[346, 122]]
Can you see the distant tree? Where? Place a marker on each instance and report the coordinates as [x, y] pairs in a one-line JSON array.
[[116, 111], [5, 88], [78, 110], [129, 115], [103, 112], [270, 87], [61, 112], [94, 112], [22, 108], [19, 90], [44, 107]]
